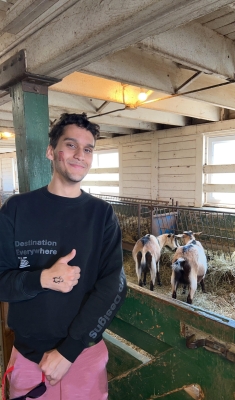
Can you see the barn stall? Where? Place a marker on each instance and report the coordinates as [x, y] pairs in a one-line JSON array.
[[138, 217], [167, 166], [164, 190]]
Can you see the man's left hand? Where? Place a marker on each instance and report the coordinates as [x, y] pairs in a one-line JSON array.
[[54, 366]]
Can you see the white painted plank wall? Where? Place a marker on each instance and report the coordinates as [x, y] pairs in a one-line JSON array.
[[7, 174], [136, 170], [176, 168], [162, 167]]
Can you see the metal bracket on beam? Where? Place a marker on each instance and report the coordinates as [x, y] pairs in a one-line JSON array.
[[188, 81], [14, 70]]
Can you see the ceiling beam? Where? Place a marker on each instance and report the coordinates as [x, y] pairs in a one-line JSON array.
[[112, 91], [100, 28], [67, 102], [4, 6], [106, 135], [105, 129], [140, 114], [110, 119], [10, 41], [73, 103], [63, 102], [24, 13], [116, 130], [145, 68], [197, 47]]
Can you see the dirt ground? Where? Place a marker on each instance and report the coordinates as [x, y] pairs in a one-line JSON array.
[[219, 282]]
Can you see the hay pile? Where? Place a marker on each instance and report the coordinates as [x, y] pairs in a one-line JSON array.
[[219, 283], [129, 227]]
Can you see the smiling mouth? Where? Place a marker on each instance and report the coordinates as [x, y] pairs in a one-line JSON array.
[[78, 166]]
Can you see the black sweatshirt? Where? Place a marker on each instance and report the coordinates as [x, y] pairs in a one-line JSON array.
[[36, 229]]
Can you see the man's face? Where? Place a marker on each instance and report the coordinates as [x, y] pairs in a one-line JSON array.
[[73, 154]]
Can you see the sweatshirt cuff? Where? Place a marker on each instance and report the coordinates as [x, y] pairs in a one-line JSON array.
[[31, 283], [71, 348]]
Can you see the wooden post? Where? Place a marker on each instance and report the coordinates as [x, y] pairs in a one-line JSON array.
[[31, 123]]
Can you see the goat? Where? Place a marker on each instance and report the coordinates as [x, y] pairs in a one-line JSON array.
[[189, 266], [187, 236], [146, 254]]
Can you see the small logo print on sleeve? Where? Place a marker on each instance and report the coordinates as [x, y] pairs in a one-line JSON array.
[[23, 262]]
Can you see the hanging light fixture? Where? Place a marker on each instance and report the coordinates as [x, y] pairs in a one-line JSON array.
[[6, 135], [143, 96]]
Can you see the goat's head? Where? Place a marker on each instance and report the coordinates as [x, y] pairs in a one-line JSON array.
[[178, 264], [186, 236], [171, 241]]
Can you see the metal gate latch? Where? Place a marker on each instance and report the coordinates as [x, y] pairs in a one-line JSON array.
[[226, 350]]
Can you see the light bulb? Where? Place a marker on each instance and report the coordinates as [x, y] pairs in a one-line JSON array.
[[142, 96], [6, 135]]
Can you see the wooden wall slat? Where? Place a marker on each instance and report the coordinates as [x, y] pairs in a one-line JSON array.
[[184, 162], [176, 178], [176, 154], [213, 169]]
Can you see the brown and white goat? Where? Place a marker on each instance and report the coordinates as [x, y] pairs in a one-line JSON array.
[[187, 236], [189, 265], [146, 254]]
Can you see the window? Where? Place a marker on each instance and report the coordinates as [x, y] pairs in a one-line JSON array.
[[221, 151], [107, 181]]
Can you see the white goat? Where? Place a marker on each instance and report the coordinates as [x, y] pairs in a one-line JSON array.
[[189, 265], [146, 254]]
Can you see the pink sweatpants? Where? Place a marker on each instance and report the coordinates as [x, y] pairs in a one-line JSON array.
[[85, 380]]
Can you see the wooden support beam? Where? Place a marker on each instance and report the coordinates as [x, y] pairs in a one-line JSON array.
[[137, 69], [31, 122], [148, 68], [102, 31], [112, 119], [218, 188], [141, 114], [15, 22], [219, 169], [199, 52]]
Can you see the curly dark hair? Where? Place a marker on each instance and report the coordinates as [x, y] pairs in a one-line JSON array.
[[80, 120]]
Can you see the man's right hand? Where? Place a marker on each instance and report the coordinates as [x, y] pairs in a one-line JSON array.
[[61, 276]]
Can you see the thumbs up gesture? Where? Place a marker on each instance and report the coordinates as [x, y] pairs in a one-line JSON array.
[[61, 276]]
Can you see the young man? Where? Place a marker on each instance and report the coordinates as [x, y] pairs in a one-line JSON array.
[[61, 272]]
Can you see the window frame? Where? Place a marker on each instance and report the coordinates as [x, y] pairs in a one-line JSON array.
[[107, 190], [210, 197]]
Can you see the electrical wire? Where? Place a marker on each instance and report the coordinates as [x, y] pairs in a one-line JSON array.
[[109, 112], [165, 98]]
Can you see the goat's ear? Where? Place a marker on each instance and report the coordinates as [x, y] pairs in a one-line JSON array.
[[197, 233]]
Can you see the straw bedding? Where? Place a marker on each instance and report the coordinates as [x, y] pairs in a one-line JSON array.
[[219, 282]]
